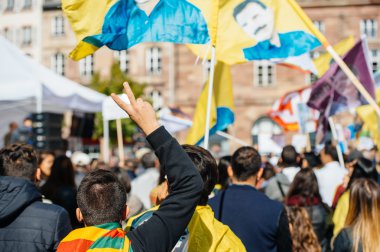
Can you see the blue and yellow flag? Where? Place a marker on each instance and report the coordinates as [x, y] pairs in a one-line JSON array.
[[121, 24], [222, 106], [260, 30]]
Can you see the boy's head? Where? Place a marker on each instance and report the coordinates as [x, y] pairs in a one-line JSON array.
[[101, 198], [19, 160], [246, 163], [289, 156], [207, 168]]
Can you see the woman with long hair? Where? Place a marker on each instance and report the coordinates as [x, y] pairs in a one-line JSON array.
[[303, 236], [362, 231], [60, 187], [304, 192], [362, 168]]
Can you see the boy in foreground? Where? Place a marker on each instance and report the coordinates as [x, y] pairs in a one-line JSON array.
[[101, 197]]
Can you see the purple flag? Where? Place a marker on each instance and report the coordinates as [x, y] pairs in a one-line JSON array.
[[334, 92]]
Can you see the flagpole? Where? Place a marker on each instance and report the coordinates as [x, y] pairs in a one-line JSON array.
[[209, 98], [232, 138], [120, 145], [353, 78], [335, 136], [106, 141]]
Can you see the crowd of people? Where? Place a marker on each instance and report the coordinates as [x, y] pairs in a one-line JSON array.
[[180, 198]]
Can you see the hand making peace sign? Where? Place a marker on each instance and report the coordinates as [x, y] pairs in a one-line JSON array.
[[140, 111]]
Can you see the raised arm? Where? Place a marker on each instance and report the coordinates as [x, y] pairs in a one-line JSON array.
[[163, 230]]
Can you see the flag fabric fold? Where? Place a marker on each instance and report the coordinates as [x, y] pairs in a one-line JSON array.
[[334, 92], [105, 237], [286, 110], [222, 106], [121, 24], [324, 61]]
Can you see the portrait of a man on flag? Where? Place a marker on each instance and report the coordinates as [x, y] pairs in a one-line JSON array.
[[258, 21]]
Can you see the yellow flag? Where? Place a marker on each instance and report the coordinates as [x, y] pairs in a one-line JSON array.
[[222, 106], [370, 119], [259, 30], [323, 62]]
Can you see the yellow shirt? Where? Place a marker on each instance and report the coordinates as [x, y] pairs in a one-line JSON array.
[[341, 212]]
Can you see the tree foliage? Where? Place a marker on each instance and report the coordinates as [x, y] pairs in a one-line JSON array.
[[114, 84]]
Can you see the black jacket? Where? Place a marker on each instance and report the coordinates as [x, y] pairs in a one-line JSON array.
[[27, 224], [343, 242]]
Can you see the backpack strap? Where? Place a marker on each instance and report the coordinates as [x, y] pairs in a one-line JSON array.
[[280, 187]]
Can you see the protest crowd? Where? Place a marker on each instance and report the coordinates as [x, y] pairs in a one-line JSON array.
[[319, 193], [180, 198]]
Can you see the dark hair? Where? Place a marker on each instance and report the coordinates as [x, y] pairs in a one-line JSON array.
[[330, 150], [246, 162], [101, 198], [18, 160], [123, 178], [312, 159], [289, 156], [62, 174], [224, 163], [42, 155], [240, 7], [148, 160], [305, 186], [363, 168], [269, 171], [207, 168]]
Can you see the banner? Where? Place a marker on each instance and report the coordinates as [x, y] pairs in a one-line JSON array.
[[334, 92]]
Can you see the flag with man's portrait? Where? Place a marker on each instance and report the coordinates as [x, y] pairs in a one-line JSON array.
[[276, 30]]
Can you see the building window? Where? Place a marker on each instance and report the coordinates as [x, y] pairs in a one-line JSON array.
[[319, 25], [153, 60], [206, 69], [86, 66], [375, 59], [7, 33], [264, 72], [157, 100], [368, 27], [58, 63], [26, 36], [58, 26], [10, 5], [123, 58], [27, 4]]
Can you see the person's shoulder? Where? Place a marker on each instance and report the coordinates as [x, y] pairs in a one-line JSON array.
[[343, 240], [48, 210]]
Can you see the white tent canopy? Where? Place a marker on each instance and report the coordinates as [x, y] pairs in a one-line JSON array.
[[28, 87]]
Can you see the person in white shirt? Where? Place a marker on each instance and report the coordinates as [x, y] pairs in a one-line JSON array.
[[278, 186], [331, 175], [143, 184]]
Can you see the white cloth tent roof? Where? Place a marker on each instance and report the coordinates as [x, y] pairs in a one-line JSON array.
[[28, 87]]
